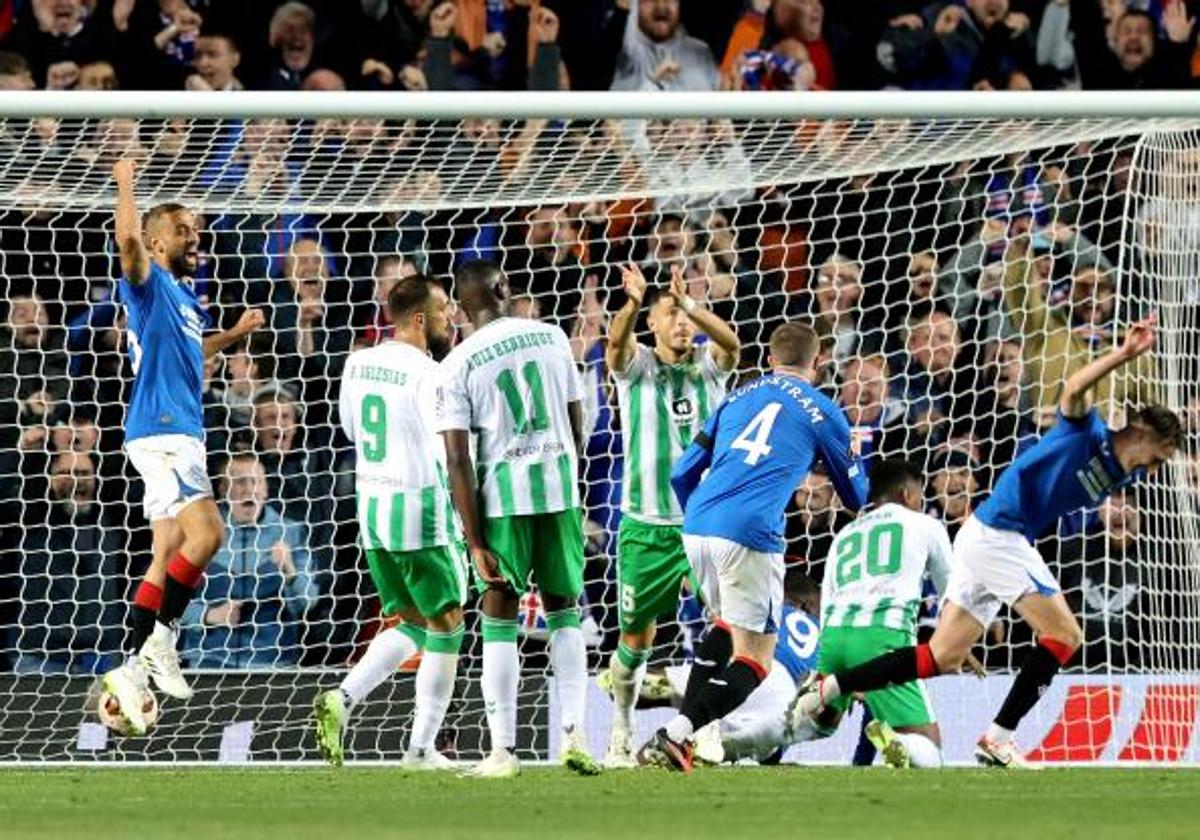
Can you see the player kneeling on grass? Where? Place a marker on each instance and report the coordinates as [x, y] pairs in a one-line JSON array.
[[1078, 463], [406, 524]]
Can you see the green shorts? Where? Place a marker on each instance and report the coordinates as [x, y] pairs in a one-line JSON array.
[[428, 580], [651, 564], [548, 545], [843, 648]]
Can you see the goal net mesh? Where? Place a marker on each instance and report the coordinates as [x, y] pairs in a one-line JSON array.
[[957, 270]]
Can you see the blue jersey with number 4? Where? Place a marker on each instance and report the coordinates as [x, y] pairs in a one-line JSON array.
[[796, 647], [1072, 467], [165, 330], [757, 447]]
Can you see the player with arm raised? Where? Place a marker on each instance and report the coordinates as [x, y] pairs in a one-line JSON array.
[[756, 448], [1078, 463], [164, 432], [406, 524], [512, 386], [665, 393]]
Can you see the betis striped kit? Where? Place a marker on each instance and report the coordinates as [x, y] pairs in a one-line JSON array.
[[406, 523], [870, 597], [509, 384], [662, 407]]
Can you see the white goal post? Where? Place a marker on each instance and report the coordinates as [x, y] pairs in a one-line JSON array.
[[960, 253]]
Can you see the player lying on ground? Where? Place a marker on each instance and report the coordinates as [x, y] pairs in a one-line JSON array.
[[405, 521], [756, 448], [1077, 464], [665, 393], [164, 433], [512, 387]]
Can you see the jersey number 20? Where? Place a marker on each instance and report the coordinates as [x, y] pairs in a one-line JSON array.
[[879, 563], [753, 438]]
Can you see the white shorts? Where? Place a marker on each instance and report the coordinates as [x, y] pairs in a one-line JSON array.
[[175, 471], [993, 567], [742, 586]]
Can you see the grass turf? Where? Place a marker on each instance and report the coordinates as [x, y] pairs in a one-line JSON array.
[[263, 804]]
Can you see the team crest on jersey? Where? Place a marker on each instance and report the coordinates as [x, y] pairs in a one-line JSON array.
[[683, 408]]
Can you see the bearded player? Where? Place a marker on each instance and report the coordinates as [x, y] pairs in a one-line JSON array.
[[1078, 463], [164, 432]]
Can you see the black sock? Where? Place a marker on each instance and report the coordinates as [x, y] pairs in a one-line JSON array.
[[1037, 671], [141, 625], [176, 597], [712, 655], [892, 668], [726, 691]]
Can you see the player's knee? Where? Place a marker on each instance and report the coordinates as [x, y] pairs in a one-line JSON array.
[[950, 658], [206, 540], [447, 621]]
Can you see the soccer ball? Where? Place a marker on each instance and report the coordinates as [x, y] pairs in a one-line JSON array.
[[109, 712]]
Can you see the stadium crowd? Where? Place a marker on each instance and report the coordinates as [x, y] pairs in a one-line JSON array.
[[953, 301]]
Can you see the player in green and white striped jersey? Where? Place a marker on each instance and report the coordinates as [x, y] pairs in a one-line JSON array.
[[512, 386], [869, 601], [406, 522], [664, 394]]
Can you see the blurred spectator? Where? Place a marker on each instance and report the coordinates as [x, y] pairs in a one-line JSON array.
[[870, 410], [802, 22], [72, 574], [1101, 577], [658, 54], [14, 72], [61, 35], [953, 487], [98, 75], [216, 63], [1126, 52], [293, 39], [388, 270], [1056, 344], [813, 518], [929, 375], [258, 586], [837, 299], [299, 466]]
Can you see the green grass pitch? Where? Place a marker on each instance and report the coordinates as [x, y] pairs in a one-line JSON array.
[[792, 802]]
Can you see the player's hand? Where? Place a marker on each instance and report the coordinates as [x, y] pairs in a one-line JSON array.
[[281, 556], [679, 286], [123, 172], [974, 666], [442, 20], [488, 567], [1139, 337], [251, 320], [224, 614], [633, 282]]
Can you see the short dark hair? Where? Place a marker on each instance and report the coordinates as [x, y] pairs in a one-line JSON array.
[[156, 213], [794, 344], [12, 64], [1160, 420], [798, 585], [408, 295], [478, 285], [654, 294], [889, 478]]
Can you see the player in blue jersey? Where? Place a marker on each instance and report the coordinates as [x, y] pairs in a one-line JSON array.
[[164, 432], [756, 448], [1078, 463]]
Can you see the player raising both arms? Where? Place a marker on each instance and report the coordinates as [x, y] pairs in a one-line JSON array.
[[757, 448], [513, 388], [406, 524], [665, 394], [164, 432], [1077, 464]]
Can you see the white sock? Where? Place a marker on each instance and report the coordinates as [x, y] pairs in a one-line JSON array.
[[626, 686], [679, 728], [435, 684], [922, 752], [501, 668], [568, 658], [997, 734], [387, 651]]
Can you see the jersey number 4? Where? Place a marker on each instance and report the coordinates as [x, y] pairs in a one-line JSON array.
[[850, 553], [753, 438]]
